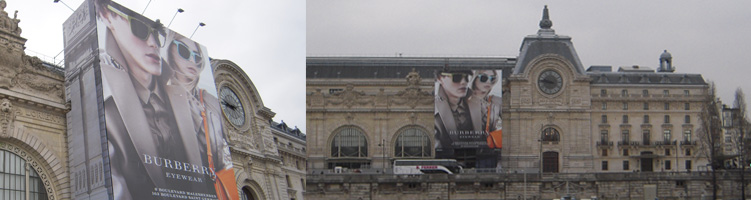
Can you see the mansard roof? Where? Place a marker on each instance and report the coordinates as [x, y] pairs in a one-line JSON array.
[[641, 78], [294, 132], [397, 67]]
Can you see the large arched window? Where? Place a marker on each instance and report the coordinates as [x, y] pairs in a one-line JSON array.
[[551, 135], [247, 194], [14, 179], [412, 142], [349, 142]]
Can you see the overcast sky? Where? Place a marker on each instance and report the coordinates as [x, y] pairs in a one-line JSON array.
[[265, 38], [705, 37]]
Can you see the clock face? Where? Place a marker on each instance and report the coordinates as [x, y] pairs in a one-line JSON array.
[[550, 82], [232, 107]]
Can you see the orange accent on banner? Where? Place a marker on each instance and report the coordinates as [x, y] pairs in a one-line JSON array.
[[495, 139], [222, 176], [224, 179]]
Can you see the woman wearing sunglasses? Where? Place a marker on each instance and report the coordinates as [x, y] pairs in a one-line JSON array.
[[482, 84], [187, 61], [490, 109]]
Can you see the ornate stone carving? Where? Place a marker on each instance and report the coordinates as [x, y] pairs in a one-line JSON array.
[[6, 23], [241, 141], [381, 99], [7, 116], [40, 84], [269, 144], [316, 98], [349, 97], [413, 94], [413, 97], [413, 78]]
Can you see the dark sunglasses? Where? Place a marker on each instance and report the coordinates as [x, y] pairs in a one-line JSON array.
[[186, 53], [141, 29], [457, 77], [484, 78]]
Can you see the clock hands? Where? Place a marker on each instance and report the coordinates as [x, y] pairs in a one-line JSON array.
[[231, 106]]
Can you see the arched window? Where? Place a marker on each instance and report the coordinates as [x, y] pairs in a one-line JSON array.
[[247, 194], [412, 142], [349, 142], [550, 135], [13, 179]]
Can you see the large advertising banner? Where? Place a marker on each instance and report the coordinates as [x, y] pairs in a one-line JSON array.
[[468, 116], [162, 120]]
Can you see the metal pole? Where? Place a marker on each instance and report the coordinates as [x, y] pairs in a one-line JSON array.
[[179, 10], [525, 185], [383, 141], [540, 141], [66, 5], [194, 31], [147, 6]]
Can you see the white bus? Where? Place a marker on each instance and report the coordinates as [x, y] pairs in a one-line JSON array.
[[427, 166]]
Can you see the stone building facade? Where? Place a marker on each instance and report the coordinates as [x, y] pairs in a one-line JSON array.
[[33, 141], [599, 126], [264, 152], [34, 138]]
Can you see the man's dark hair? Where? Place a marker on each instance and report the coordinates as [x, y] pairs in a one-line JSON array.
[[101, 5], [453, 71]]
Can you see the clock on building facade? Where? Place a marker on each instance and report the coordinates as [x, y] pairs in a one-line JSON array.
[[550, 82], [232, 107]]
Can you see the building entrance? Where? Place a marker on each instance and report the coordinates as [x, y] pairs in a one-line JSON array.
[[646, 161]]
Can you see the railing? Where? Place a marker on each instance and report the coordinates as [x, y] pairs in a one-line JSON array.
[[628, 143], [350, 171], [605, 143], [646, 97], [685, 142], [664, 143]]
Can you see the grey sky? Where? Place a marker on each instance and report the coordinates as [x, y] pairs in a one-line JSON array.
[[265, 38], [704, 37]]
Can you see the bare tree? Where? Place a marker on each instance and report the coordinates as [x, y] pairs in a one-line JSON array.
[[710, 132], [740, 122]]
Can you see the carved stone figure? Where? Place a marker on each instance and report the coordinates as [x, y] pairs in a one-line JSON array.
[[413, 78], [5, 105], [7, 116]]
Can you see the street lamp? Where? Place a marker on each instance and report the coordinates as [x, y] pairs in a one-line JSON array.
[[383, 150], [66, 5], [525, 184], [194, 31], [179, 10]]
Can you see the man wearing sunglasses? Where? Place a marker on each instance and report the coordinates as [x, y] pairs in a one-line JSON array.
[[454, 125], [146, 120]]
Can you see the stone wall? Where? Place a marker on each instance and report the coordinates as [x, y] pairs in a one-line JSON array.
[[644, 185]]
